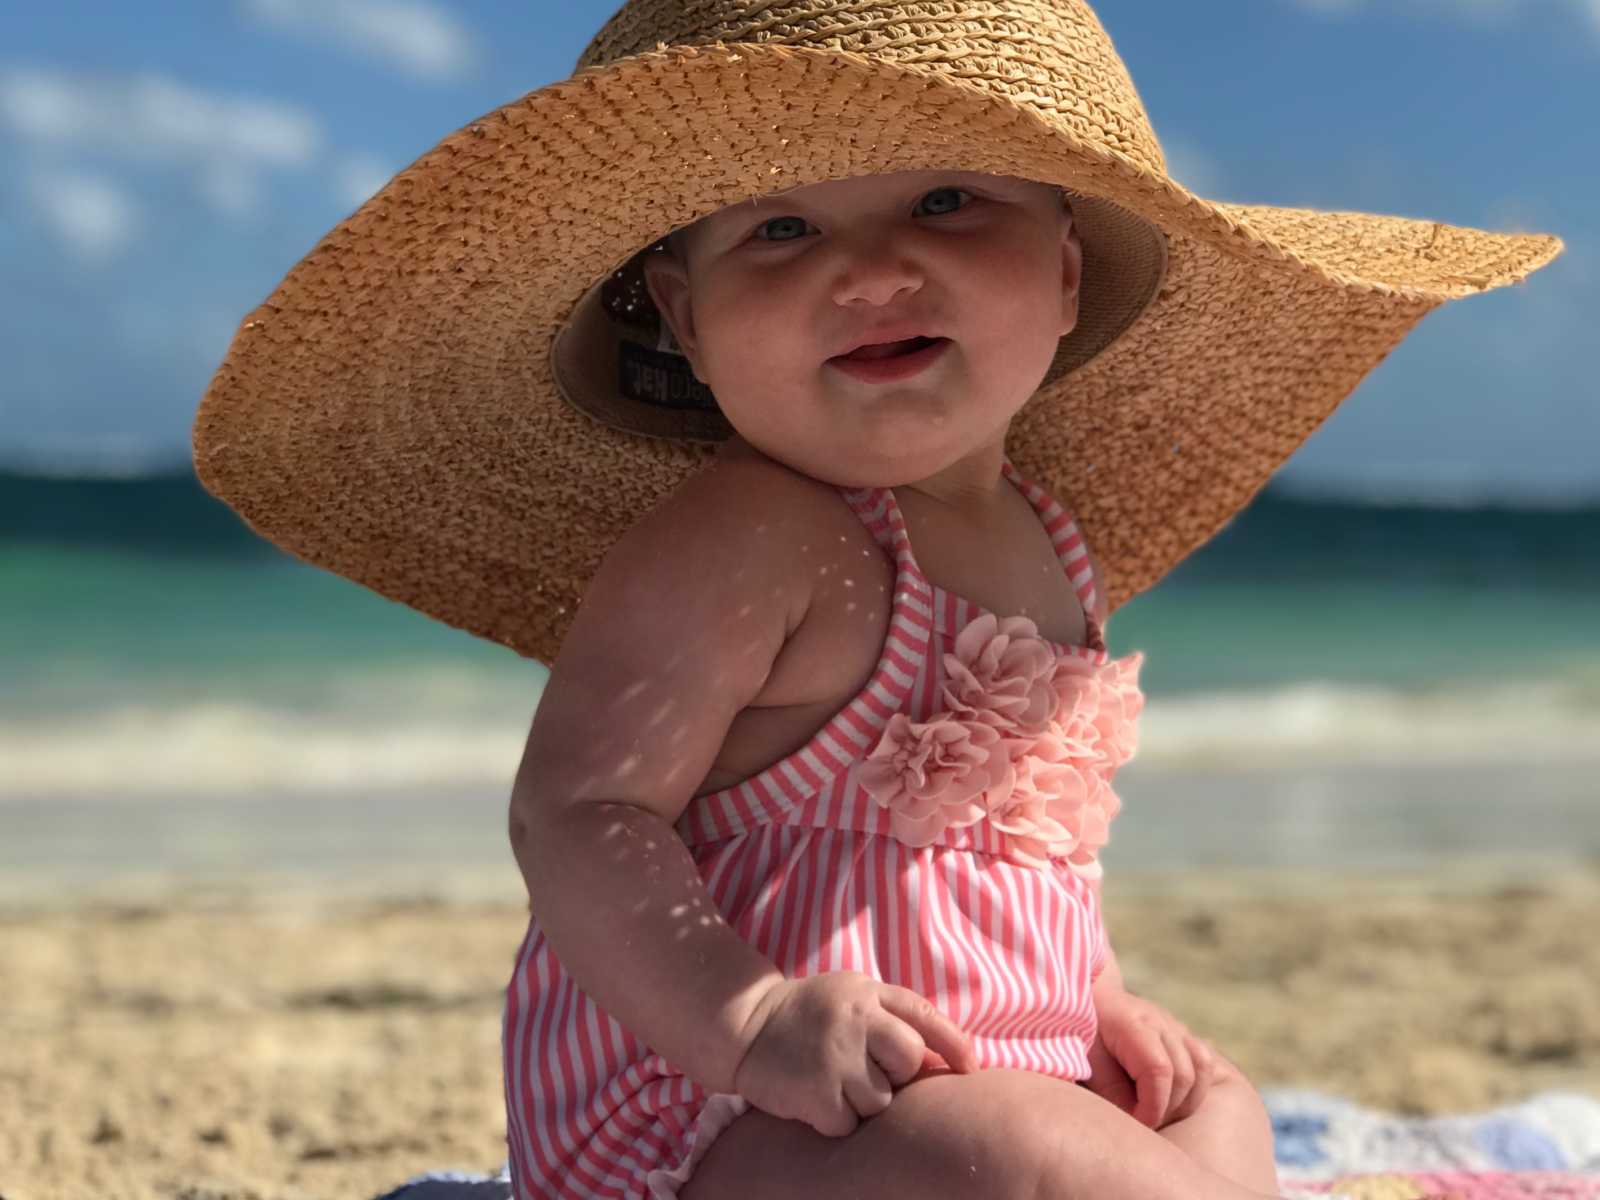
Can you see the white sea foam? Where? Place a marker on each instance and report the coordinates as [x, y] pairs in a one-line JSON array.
[[443, 734], [1556, 720], [235, 748]]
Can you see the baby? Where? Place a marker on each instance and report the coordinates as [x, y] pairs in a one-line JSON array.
[[811, 809], [834, 953]]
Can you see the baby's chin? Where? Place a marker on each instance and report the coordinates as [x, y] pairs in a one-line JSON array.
[[856, 460]]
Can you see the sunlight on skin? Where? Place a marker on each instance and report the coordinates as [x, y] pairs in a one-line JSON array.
[[639, 720]]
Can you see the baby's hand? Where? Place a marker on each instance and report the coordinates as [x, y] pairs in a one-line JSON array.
[[1146, 1062], [832, 1048]]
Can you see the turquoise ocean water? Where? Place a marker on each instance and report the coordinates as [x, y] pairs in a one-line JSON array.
[[153, 649]]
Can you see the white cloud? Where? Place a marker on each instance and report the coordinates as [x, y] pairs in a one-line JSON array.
[[224, 143], [358, 177], [419, 38], [1193, 167], [87, 213], [231, 187], [153, 119]]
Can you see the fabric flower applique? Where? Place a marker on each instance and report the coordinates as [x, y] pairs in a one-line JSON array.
[[1056, 809], [1097, 712], [1000, 673], [1027, 739], [935, 774]]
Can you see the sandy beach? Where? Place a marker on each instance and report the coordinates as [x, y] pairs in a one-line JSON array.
[[260, 1042]]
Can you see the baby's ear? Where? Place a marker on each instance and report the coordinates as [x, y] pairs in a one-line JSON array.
[[1071, 277], [664, 271], [667, 280]]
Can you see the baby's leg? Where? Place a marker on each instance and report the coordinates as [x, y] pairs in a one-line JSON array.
[[1231, 1131], [991, 1135]]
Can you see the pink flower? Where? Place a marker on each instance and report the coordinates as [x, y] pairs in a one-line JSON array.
[[1028, 740], [999, 674], [1042, 793], [1056, 809], [935, 774], [1094, 830], [1097, 711], [1117, 720]]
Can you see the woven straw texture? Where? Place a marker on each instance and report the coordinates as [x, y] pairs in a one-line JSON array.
[[391, 411]]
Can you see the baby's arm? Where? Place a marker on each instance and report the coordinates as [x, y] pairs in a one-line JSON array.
[[1144, 1059], [615, 891], [676, 634], [1110, 977]]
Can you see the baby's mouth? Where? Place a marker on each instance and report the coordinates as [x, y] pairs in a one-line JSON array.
[[889, 349]]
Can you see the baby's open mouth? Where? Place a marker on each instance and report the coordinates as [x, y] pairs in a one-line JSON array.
[[890, 349]]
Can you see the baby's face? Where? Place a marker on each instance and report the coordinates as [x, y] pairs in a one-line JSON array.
[[762, 295]]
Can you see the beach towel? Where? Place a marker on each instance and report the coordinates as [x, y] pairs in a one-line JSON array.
[[1328, 1148], [1325, 1146]]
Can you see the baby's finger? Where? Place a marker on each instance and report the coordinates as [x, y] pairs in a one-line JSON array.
[[1109, 1080], [947, 1038], [1204, 1072], [870, 1092], [1146, 1061], [897, 1048], [1182, 1075]]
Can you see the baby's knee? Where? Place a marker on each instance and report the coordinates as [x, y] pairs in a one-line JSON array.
[[1232, 1088], [1225, 1073], [994, 1134]]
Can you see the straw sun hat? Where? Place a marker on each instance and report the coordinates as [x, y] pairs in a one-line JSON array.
[[462, 396]]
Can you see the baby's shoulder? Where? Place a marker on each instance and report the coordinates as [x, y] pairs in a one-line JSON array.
[[764, 487], [746, 523], [774, 506]]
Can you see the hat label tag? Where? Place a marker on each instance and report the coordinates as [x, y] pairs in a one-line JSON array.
[[660, 377]]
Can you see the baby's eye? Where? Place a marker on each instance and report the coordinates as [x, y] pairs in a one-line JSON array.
[[798, 224], [947, 191], [761, 230]]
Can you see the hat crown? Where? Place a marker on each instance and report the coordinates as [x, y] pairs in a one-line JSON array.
[[1051, 56]]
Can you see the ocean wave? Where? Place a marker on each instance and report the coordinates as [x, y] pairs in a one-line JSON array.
[[447, 735], [1551, 720], [230, 748]]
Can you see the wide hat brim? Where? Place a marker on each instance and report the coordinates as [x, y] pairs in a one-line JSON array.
[[393, 413]]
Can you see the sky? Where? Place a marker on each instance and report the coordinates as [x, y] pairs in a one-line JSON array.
[[167, 162]]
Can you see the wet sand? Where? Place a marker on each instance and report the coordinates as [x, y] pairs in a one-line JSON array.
[[291, 1039]]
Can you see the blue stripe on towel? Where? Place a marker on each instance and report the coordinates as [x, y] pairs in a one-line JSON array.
[[454, 1185]]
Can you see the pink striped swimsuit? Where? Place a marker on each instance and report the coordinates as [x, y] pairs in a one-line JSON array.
[[809, 866]]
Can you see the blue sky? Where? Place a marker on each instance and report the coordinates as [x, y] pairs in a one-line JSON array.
[[168, 162]]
